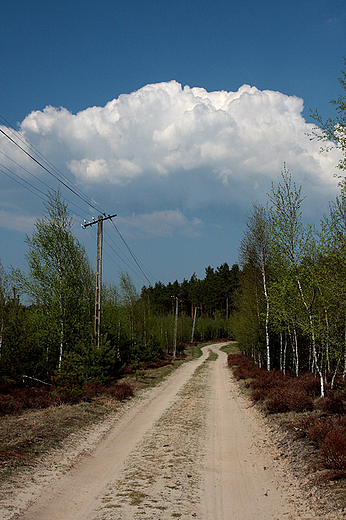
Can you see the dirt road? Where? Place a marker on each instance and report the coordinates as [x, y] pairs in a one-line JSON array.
[[190, 448]]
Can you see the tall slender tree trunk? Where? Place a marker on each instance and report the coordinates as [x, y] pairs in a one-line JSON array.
[[267, 308], [313, 339], [284, 355], [344, 371], [61, 316], [296, 350]]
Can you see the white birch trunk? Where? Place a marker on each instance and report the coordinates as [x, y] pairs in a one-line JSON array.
[[267, 308], [314, 352]]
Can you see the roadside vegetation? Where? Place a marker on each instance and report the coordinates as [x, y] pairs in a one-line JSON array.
[[47, 315], [322, 421], [290, 308], [38, 419], [284, 304]]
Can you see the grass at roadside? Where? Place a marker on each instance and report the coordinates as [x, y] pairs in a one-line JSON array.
[[321, 421], [29, 434], [230, 348]]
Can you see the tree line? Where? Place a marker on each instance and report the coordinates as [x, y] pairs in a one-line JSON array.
[[285, 304], [291, 306], [54, 329]]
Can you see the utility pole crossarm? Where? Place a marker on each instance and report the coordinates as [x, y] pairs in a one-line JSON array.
[[93, 221]]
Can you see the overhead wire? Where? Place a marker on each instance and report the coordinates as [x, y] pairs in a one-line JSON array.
[[38, 179], [90, 203], [66, 183], [21, 181], [132, 254], [119, 255], [120, 269], [48, 163]]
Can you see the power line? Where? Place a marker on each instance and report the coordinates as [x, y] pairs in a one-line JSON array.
[[48, 166], [80, 195], [22, 181], [131, 253], [23, 140], [121, 258], [38, 179], [111, 257]]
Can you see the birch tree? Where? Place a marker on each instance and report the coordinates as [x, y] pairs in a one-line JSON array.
[[4, 295], [333, 130], [254, 249], [60, 279], [294, 243]]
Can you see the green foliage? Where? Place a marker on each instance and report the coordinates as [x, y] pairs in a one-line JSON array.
[[60, 280], [334, 129], [70, 379], [305, 288], [213, 293]]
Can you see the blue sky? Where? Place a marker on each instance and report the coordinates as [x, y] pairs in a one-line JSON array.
[[197, 105]]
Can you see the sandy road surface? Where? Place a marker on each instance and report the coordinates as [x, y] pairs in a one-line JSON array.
[[190, 448]]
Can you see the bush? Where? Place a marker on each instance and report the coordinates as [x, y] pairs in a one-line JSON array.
[[9, 405], [235, 359], [244, 367], [70, 379], [333, 403], [267, 380], [94, 389], [259, 394], [299, 400], [334, 448], [120, 391], [33, 397], [318, 431], [310, 383], [277, 401], [287, 397]]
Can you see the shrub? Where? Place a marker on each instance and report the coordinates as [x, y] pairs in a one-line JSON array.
[[93, 389], [259, 394], [277, 401], [334, 448], [299, 400], [70, 379], [235, 359], [318, 430], [333, 403], [33, 397], [120, 391], [267, 380], [310, 383], [9, 405], [243, 367]]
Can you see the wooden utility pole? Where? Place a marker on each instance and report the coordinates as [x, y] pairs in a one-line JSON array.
[[97, 321], [175, 325], [97, 317], [194, 323]]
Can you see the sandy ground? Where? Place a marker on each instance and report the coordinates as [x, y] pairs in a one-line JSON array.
[[192, 447]]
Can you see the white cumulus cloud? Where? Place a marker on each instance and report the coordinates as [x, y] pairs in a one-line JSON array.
[[161, 224], [166, 146]]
